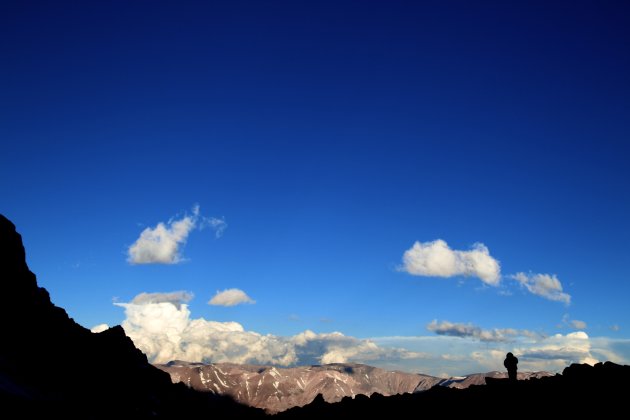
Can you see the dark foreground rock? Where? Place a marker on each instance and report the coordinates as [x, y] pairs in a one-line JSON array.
[[51, 367], [599, 390]]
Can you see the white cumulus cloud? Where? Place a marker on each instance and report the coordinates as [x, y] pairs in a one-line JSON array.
[[544, 285], [161, 244], [230, 297], [165, 331], [437, 259], [336, 347]]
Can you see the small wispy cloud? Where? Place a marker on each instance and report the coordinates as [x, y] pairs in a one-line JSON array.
[[230, 297], [437, 259], [470, 330], [161, 244], [176, 298], [572, 323], [615, 327], [217, 224], [577, 324], [547, 286]]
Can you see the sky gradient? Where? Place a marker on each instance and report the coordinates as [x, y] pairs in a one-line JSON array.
[[437, 182]]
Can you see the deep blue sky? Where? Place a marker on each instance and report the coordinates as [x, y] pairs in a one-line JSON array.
[[330, 136]]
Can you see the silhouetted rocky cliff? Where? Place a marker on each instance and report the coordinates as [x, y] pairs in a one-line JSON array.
[[51, 366]]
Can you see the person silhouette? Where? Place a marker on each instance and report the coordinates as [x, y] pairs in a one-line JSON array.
[[510, 363]]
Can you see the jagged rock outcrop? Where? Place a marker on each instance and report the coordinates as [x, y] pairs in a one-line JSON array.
[[51, 366]]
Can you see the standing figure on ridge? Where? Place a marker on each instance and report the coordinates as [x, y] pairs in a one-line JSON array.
[[510, 363]]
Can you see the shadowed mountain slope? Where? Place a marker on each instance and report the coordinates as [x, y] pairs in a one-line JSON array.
[[51, 366]]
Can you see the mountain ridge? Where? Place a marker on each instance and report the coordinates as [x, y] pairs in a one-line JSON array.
[[276, 389]]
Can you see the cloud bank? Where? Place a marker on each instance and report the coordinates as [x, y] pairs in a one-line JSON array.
[[574, 347], [552, 353], [543, 285], [230, 297], [459, 355], [161, 244], [437, 259], [162, 327], [164, 330], [535, 351]]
